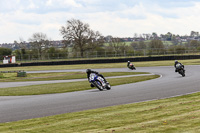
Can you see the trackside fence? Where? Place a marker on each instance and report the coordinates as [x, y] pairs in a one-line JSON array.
[[95, 61], [104, 54]]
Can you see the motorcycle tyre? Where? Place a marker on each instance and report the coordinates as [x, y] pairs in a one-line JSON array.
[[182, 73], [100, 87], [107, 87]]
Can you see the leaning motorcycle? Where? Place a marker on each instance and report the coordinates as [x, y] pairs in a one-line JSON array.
[[180, 70], [99, 82], [132, 67]]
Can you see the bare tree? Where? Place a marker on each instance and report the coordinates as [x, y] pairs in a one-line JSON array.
[[117, 45], [194, 34], [22, 43], [21, 48], [80, 35], [156, 45], [39, 42], [142, 45]]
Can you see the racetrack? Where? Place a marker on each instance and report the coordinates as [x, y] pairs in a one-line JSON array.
[[13, 108]]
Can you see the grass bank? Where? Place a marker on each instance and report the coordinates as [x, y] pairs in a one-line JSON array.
[[12, 77], [104, 65], [172, 115], [66, 87]]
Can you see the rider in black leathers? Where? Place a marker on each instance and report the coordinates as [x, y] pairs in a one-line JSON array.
[[175, 63], [89, 71], [130, 65]]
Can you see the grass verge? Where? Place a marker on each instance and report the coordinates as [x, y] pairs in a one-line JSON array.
[[12, 77], [172, 115], [103, 65], [66, 87]]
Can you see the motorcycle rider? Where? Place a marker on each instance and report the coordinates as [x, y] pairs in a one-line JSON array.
[[175, 63], [89, 71], [130, 65]]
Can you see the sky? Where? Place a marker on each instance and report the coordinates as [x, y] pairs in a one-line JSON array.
[[118, 18]]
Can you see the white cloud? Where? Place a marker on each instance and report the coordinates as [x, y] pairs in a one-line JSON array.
[[187, 20], [62, 3], [123, 20], [49, 3], [32, 5], [71, 3]]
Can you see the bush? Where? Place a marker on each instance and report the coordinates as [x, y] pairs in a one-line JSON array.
[[4, 52], [21, 74]]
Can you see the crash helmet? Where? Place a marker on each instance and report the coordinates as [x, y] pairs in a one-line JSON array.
[[175, 61], [128, 61], [88, 71]]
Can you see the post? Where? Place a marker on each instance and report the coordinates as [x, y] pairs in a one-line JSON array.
[[144, 52]]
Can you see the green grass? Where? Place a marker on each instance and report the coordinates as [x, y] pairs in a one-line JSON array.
[[66, 87], [12, 77], [173, 115], [168, 43], [103, 65], [179, 114], [126, 43]]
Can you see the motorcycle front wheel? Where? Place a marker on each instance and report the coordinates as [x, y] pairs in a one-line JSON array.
[[108, 87], [99, 85], [182, 73]]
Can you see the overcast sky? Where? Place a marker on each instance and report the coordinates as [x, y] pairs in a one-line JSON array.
[[119, 18]]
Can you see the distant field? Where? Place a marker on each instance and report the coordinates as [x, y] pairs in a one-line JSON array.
[[167, 43], [128, 43]]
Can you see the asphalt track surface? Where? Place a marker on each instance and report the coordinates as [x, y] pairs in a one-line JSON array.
[[170, 84]]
